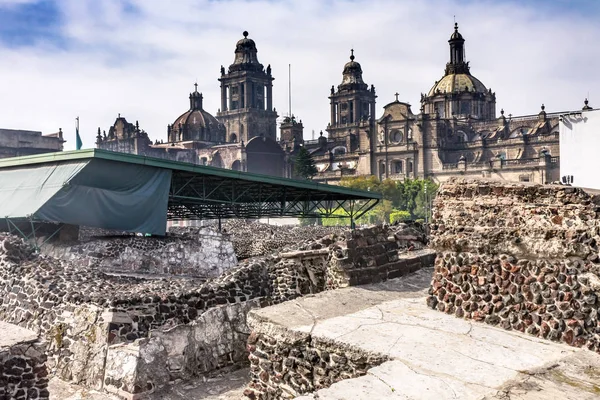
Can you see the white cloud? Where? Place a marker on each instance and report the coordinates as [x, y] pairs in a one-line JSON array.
[[142, 64]]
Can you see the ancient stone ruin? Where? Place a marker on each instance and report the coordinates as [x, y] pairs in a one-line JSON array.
[[522, 257], [128, 315]]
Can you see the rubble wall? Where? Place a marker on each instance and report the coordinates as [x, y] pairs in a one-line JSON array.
[[523, 257], [285, 364], [23, 373], [84, 313], [203, 252]]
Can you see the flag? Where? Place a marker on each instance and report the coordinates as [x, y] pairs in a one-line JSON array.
[[78, 142]]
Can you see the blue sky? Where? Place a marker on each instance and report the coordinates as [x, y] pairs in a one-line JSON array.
[[97, 58]]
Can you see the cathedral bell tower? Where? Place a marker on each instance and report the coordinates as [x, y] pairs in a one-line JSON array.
[[352, 108], [247, 96]]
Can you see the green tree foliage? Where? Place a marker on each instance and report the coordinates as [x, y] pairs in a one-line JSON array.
[[399, 216], [304, 165], [407, 199]]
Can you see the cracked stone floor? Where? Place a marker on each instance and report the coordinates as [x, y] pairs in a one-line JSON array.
[[434, 355]]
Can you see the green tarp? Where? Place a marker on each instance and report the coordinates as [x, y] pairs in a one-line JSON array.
[[94, 193]]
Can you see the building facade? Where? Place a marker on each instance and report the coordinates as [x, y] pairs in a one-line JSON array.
[[455, 132], [242, 136], [16, 143]]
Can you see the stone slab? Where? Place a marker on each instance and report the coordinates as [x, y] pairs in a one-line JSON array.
[[433, 355], [329, 304], [11, 335]]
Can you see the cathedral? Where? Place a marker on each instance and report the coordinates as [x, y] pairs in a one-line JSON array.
[[456, 131]]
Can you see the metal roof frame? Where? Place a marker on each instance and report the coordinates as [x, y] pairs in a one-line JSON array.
[[202, 192]]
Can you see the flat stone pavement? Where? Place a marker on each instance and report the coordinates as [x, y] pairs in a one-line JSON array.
[[434, 355]]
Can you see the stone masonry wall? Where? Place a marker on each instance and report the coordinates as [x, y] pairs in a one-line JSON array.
[[23, 373], [88, 316], [377, 254], [202, 252], [285, 364], [523, 257]]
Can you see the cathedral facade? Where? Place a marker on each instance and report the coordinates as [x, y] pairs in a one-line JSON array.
[[455, 132], [241, 136]]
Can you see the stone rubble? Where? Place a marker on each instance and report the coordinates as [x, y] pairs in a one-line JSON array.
[[201, 252], [522, 257], [132, 334]]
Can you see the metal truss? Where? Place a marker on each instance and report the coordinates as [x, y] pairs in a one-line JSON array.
[[205, 197]]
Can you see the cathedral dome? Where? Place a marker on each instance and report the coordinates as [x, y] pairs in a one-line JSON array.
[[459, 94], [246, 58], [456, 83], [352, 75], [196, 124], [456, 34]]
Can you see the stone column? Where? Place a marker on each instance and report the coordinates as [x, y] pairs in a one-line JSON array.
[[332, 105], [247, 92], [223, 97], [270, 96]]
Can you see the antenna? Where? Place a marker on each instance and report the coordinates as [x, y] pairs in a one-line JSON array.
[[290, 90]]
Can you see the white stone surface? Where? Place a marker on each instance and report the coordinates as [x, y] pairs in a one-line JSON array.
[[433, 355], [11, 335]]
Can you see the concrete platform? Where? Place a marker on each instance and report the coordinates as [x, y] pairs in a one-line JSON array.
[[433, 355]]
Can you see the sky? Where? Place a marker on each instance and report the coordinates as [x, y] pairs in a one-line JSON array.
[[60, 59]]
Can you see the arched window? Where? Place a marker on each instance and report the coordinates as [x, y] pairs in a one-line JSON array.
[[236, 166], [339, 150], [233, 138]]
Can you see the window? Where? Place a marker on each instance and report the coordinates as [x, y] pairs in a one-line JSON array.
[[524, 178], [344, 106], [344, 119], [339, 150], [439, 108], [398, 167], [203, 160], [409, 166], [396, 136], [381, 170], [465, 107]]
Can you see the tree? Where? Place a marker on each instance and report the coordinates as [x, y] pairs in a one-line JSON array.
[[408, 195], [304, 165]]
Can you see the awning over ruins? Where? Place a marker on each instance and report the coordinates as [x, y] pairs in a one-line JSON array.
[[127, 192]]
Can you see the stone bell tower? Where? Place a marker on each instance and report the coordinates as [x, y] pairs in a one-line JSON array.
[[247, 96]]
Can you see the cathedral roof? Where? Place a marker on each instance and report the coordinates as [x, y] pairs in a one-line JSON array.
[[456, 34], [352, 75], [457, 78], [195, 119], [456, 83], [246, 58]]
